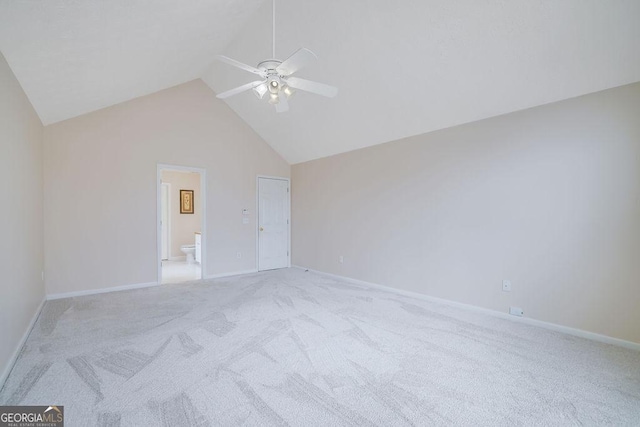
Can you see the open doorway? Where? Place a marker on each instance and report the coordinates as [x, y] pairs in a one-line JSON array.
[[181, 224]]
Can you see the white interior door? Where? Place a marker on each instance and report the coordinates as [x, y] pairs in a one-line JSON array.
[[273, 223], [164, 220]]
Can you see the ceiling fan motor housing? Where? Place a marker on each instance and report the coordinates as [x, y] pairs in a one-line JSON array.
[[269, 65], [273, 79]]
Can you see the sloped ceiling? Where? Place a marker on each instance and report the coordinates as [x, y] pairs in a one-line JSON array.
[[403, 68], [413, 66], [76, 56]]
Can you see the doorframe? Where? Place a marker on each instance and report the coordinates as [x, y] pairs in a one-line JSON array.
[[203, 219], [258, 177], [168, 219]]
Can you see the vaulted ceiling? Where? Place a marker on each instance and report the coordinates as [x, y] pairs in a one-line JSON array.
[[403, 68], [76, 56]]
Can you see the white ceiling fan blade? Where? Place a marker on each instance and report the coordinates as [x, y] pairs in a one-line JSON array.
[[313, 87], [300, 59], [240, 65], [239, 89], [283, 104]]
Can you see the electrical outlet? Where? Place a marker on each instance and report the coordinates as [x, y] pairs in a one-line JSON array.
[[239, 255], [341, 259], [516, 311], [506, 285]]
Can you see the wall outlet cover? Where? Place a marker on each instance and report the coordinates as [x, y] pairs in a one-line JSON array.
[[516, 311], [506, 286], [341, 259]]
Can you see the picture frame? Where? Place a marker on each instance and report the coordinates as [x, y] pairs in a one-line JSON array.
[[186, 201]]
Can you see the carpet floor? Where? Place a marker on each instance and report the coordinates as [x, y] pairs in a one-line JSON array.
[[290, 347]]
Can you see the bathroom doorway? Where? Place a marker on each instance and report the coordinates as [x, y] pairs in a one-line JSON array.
[[165, 220], [181, 218]]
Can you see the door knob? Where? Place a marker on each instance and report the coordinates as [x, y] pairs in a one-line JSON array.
[[261, 229]]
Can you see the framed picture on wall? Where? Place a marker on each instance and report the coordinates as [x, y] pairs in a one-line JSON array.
[[186, 201]]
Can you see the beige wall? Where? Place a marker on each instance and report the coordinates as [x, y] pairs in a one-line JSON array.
[[548, 198], [183, 226], [21, 256], [100, 186]]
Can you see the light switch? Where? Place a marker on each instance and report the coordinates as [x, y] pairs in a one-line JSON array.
[[245, 211]]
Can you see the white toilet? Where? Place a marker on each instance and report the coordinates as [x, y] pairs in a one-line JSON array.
[[190, 251]]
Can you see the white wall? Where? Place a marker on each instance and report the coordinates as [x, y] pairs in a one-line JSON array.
[[100, 186], [547, 197], [21, 254], [183, 226]]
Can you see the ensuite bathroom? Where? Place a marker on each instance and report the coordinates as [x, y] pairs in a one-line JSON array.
[[181, 224]]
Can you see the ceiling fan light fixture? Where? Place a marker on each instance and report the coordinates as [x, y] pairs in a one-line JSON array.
[[276, 76], [274, 86], [260, 90], [288, 91]]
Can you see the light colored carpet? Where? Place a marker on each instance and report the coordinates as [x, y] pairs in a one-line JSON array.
[[291, 347]]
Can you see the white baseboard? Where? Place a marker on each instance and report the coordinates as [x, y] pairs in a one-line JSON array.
[[233, 273], [16, 353], [101, 291], [135, 286], [178, 258], [527, 320]]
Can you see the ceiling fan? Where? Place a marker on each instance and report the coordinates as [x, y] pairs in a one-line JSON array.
[[277, 79]]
